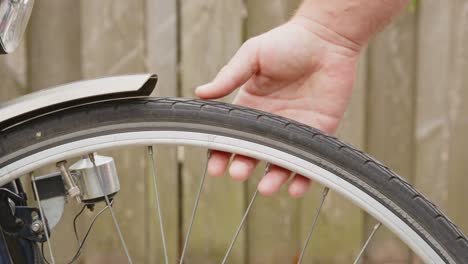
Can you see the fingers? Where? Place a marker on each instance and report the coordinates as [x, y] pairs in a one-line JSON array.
[[273, 180], [276, 177], [218, 162], [299, 186], [242, 167], [238, 71]]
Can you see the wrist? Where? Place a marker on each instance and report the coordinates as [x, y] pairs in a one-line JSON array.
[[327, 34], [351, 23]]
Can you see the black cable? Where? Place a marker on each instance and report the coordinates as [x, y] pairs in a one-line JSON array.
[[74, 224], [42, 253], [78, 252], [74, 229], [80, 243]]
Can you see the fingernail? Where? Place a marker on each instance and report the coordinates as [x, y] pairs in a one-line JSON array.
[[295, 191], [238, 171], [201, 88], [238, 167], [264, 186]]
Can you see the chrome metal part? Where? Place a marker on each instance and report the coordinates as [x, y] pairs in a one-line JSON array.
[[244, 217], [14, 16], [86, 178], [97, 171], [361, 252], [314, 222], [37, 226], [41, 213], [156, 191], [12, 205], [72, 189], [195, 207]]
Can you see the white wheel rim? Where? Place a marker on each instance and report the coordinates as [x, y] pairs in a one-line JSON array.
[[239, 146]]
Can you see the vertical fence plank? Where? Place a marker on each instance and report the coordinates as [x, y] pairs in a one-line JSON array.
[[13, 73], [337, 241], [54, 44], [113, 43], [161, 46], [432, 131], [278, 213], [457, 109], [431, 122], [390, 117], [53, 57], [263, 15], [211, 32], [112, 37]]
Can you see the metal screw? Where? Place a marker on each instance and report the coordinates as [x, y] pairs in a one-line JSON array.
[[36, 227], [19, 222]]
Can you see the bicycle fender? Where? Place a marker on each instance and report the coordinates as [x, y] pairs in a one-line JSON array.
[[73, 94]]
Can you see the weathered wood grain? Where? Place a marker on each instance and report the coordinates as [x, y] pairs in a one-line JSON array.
[[161, 58], [54, 44], [431, 124], [458, 118], [390, 117], [53, 57], [211, 32], [113, 42], [432, 131], [13, 73], [272, 228], [263, 15]]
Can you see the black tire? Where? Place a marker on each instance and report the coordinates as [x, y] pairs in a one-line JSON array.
[[286, 135]]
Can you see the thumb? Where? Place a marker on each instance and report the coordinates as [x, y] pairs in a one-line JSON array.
[[238, 71]]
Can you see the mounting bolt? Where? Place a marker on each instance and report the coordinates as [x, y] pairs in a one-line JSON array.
[[70, 185], [36, 227], [19, 222], [74, 192]]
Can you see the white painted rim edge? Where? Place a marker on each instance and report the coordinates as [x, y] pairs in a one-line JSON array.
[[318, 174]]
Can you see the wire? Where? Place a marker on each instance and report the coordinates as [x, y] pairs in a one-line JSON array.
[[42, 254], [74, 224], [80, 243], [78, 252]]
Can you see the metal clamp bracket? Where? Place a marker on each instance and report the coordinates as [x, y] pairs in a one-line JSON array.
[[21, 221]]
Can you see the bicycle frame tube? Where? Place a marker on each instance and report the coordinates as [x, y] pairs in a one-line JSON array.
[[4, 254]]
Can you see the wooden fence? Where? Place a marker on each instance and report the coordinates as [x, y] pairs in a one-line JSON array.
[[408, 110]]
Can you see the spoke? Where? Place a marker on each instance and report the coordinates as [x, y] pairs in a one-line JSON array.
[[46, 229], [317, 213], [244, 217], [111, 210], [374, 230], [161, 225], [195, 206]]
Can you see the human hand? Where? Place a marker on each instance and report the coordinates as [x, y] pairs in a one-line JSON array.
[[300, 70]]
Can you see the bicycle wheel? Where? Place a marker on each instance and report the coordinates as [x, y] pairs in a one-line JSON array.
[[299, 148]]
